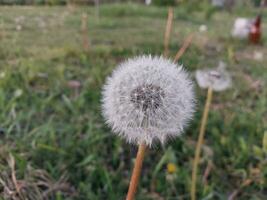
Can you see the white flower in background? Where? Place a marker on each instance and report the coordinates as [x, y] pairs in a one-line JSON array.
[[148, 98], [18, 93], [148, 2], [18, 27], [258, 55], [19, 20], [203, 28], [219, 79], [2, 75]]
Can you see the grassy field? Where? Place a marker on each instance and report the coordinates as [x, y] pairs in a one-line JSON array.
[[53, 138]]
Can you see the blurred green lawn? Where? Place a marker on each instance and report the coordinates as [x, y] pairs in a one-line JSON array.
[[47, 125]]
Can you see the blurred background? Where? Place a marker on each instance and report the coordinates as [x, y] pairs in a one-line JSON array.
[[54, 58]]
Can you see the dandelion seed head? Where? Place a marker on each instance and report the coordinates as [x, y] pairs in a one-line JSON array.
[[148, 99], [219, 79]]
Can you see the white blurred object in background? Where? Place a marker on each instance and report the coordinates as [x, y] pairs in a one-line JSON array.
[[203, 28], [241, 28], [18, 27], [218, 3], [218, 78], [148, 2], [258, 55]]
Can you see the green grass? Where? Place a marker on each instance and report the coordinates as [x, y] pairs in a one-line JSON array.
[[56, 132]]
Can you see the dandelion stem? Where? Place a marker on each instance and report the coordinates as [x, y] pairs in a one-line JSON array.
[[136, 172], [200, 142], [181, 51], [168, 32], [84, 29]]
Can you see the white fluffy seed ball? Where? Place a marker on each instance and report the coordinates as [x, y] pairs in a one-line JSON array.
[[218, 78], [148, 99]]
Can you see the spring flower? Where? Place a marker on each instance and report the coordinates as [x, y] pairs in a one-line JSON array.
[[171, 168], [148, 99], [203, 28], [2, 75], [219, 79]]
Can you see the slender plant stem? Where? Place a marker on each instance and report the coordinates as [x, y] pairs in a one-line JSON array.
[[136, 172], [168, 32], [181, 51], [200, 142], [97, 2], [85, 32]]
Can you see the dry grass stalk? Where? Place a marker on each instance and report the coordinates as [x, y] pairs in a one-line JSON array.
[[35, 184], [11, 162], [168, 32], [235, 193], [84, 29], [181, 51], [207, 172], [136, 172], [200, 142]]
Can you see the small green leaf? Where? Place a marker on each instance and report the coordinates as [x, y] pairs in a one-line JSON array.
[[257, 151], [243, 145], [86, 161]]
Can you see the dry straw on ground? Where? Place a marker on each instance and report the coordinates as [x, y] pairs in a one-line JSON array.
[[36, 183]]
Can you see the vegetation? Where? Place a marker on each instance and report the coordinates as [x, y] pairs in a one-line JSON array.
[[54, 139]]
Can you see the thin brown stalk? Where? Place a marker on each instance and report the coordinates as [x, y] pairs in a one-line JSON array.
[[11, 162], [200, 142], [234, 194], [85, 32], [136, 172], [207, 172], [181, 51], [168, 32]]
